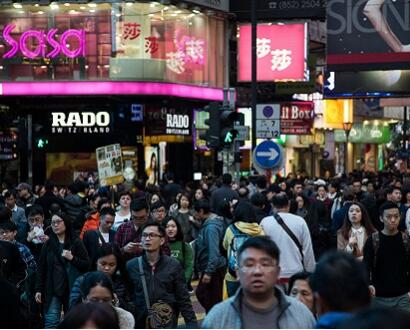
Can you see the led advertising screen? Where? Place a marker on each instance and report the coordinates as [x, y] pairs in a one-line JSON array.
[[368, 35], [281, 52]]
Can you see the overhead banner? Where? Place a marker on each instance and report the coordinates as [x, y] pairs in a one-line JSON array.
[[368, 35], [281, 9], [367, 83], [279, 58], [296, 118]]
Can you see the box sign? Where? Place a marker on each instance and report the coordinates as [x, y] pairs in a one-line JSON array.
[[80, 122], [281, 52], [296, 118], [109, 162], [167, 121], [359, 133], [48, 45]]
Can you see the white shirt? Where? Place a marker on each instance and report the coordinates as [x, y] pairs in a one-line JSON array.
[[290, 257], [119, 220], [359, 233], [106, 237]]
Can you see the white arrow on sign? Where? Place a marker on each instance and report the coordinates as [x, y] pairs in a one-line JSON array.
[[272, 154]]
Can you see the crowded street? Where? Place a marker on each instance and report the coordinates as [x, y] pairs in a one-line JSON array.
[[204, 164]]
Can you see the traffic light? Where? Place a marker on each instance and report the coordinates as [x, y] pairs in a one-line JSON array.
[[228, 120], [211, 135], [41, 143]]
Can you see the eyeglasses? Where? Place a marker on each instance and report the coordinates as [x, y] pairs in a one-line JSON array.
[[253, 267], [56, 222], [150, 235]]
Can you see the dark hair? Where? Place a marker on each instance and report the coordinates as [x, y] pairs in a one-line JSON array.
[[93, 279], [263, 243], [387, 206], [161, 229], [35, 210], [68, 234], [377, 318], [258, 199], [103, 316], [187, 196], [348, 194], [5, 214], [49, 186], [139, 204], [296, 182], [158, 204], [107, 211], [10, 193], [341, 281], [244, 212], [202, 204], [102, 201], [389, 190], [124, 193], [226, 178], [8, 225], [180, 234], [280, 201], [107, 249], [296, 277], [365, 222]]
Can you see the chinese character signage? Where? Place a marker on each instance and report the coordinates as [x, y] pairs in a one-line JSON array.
[[281, 52], [296, 118]]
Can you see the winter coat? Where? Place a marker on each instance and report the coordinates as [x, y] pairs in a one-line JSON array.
[[228, 315], [208, 257], [166, 283], [91, 223], [76, 206], [50, 254], [220, 196], [183, 253]]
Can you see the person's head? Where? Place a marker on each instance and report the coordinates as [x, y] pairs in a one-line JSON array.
[[370, 187], [357, 185], [243, 192], [393, 194], [35, 216], [340, 284], [321, 191], [333, 187], [5, 214], [356, 216], [152, 237], [297, 187], [259, 200], [124, 199], [390, 216], [108, 259], [174, 230], [93, 201], [258, 266], [97, 287], [61, 225], [244, 212], [406, 197], [153, 161], [8, 231], [103, 202], [300, 289], [199, 194], [155, 197], [281, 202], [158, 211], [202, 209], [226, 179], [301, 201], [184, 201], [24, 190], [10, 198], [90, 316], [107, 217], [139, 212], [283, 186]]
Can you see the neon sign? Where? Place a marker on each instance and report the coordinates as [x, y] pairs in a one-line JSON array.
[[44, 41]]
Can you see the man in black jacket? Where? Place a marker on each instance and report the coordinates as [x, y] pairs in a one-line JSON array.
[[223, 195], [12, 266], [165, 286], [93, 239]]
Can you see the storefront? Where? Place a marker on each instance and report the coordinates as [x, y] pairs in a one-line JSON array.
[[91, 74]]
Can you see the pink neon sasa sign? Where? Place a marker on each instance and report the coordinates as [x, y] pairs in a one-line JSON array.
[[44, 42]]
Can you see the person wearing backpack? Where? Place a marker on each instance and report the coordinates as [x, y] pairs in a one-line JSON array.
[[243, 227], [386, 256]]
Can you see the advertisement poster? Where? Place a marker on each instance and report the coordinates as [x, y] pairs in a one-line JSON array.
[[296, 118], [109, 161], [151, 165], [369, 34]]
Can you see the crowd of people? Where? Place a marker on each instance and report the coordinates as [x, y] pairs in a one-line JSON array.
[[297, 253]]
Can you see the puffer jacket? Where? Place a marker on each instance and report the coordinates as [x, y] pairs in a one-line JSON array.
[[208, 245], [166, 283]]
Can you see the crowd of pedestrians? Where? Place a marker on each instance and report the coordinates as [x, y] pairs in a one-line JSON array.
[[296, 253]]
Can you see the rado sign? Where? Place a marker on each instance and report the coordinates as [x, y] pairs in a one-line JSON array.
[[80, 122]]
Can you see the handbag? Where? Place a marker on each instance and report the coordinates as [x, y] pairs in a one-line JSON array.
[[160, 314]]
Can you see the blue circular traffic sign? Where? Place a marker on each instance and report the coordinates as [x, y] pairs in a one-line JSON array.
[[267, 155]]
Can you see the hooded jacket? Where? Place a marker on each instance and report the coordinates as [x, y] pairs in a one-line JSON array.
[[75, 205], [252, 229], [208, 257], [228, 315]]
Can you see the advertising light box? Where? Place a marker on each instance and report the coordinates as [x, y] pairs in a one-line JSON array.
[[281, 52]]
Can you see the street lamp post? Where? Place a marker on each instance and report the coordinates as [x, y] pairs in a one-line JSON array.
[[347, 126]]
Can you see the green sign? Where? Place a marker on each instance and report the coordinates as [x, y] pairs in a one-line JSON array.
[[359, 133]]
